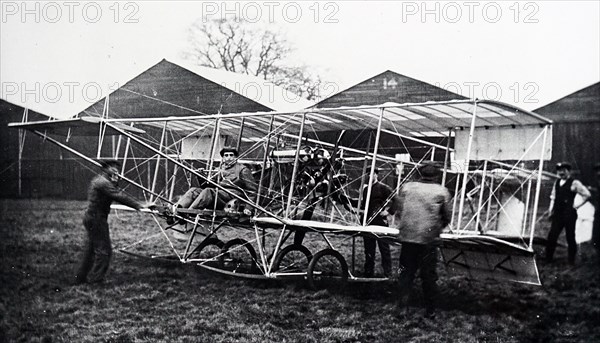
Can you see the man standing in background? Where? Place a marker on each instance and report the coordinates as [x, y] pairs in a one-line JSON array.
[[563, 210], [381, 203]]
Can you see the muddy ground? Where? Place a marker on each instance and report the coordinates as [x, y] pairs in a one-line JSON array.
[[148, 301]]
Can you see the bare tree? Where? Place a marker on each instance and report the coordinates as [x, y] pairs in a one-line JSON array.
[[243, 47]]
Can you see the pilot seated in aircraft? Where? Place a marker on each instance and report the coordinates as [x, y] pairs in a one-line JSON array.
[[233, 177]]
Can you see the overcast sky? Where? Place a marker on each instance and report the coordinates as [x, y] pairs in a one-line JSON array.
[[55, 55]]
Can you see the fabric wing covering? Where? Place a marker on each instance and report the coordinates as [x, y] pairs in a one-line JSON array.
[[414, 120]]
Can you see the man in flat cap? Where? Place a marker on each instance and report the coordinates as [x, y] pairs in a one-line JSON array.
[[234, 177], [102, 192], [423, 212], [563, 210]]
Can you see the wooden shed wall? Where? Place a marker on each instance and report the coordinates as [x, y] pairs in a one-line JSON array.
[[576, 131]]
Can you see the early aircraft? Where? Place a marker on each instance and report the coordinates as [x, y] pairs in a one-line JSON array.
[[310, 167]]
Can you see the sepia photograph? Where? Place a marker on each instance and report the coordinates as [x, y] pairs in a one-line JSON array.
[[300, 171]]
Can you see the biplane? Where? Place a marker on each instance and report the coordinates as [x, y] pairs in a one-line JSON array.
[[310, 167]]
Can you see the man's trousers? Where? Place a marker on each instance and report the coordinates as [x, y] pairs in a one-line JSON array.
[[560, 221], [98, 250], [412, 258]]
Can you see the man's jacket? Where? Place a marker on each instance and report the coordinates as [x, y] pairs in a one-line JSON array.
[[238, 179], [102, 192], [382, 197], [423, 212]]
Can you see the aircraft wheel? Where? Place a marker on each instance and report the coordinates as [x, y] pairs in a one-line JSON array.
[[208, 249], [292, 259], [327, 267], [238, 256]]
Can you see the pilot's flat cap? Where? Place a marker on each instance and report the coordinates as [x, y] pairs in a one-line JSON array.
[[229, 149]]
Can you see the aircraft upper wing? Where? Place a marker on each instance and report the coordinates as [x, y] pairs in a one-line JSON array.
[[85, 126], [426, 119]]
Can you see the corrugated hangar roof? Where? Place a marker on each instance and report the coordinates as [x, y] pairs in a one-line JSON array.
[[387, 86], [183, 89]]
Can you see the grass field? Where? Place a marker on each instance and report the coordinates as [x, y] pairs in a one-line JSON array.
[[149, 301]]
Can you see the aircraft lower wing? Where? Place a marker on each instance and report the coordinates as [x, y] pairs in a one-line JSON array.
[[475, 256], [485, 257], [322, 226]]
